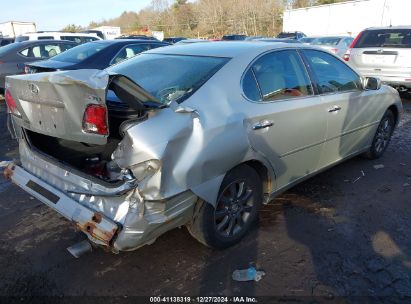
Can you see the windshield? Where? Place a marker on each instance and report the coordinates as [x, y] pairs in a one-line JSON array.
[[395, 38], [169, 77], [81, 52], [326, 41]]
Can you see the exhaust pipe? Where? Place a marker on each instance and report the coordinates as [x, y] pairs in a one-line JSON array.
[[77, 250]]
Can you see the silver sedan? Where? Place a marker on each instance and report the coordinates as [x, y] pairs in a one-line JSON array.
[[197, 135]]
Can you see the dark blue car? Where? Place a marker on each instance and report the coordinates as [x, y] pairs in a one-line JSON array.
[[94, 55]]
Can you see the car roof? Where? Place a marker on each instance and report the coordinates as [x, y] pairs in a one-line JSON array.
[[126, 41], [42, 41], [229, 49], [389, 27]]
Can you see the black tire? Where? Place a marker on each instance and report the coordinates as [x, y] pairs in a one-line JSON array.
[[236, 210], [382, 136]]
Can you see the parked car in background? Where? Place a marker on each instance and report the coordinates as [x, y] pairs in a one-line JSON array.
[[284, 40], [173, 40], [234, 37], [94, 55], [255, 37], [14, 56], [383, 52], [291, 35], [207, 144], [6, 41], [335, 44], [307, 40], [191, 40], [139, 37], [75, 37]]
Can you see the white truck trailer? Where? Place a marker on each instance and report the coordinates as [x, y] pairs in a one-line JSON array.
[[346, 18], [109, 32], [12, 29]]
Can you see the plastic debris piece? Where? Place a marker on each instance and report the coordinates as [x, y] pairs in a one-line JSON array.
[[249, 274], [380, 166], [406, 185], [362, 172], [356, 180]]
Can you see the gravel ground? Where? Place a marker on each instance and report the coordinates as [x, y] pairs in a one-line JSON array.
[[333, 235]]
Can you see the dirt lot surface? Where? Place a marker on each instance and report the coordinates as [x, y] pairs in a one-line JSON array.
[[341, 233]]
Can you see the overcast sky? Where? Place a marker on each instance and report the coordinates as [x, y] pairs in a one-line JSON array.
[[55, 14]]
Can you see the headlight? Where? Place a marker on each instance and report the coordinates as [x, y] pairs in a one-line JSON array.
[[145, 169]]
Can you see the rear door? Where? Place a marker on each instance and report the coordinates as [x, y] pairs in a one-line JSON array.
[[383, 52], [288, 124]]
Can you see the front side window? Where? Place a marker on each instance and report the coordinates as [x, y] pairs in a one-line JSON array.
[[275, 76], [169, 77], [331, 74]]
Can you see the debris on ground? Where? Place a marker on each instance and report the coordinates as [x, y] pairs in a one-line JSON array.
[[380, 166], [249, 274], [406, 185], [356, 180], [362, 172], [384, 189]]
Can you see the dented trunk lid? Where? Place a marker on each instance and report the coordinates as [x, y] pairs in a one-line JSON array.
[[54, 103]]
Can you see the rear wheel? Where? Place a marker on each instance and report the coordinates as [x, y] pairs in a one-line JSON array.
[[235, 212], [382, 137]]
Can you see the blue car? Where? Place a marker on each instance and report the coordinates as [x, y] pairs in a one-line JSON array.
[[94, 55]]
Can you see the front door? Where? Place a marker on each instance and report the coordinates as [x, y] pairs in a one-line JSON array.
[[350, 122]]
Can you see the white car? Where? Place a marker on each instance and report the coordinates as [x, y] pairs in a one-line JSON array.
[[76, 37]]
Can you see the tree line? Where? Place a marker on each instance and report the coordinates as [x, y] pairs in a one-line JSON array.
[[206, 18]]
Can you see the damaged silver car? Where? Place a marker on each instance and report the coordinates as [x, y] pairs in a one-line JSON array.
[[195, 135]]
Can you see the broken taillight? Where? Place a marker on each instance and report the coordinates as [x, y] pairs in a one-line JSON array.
[[11, 104], [95, 120]]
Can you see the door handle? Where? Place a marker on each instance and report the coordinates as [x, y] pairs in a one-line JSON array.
[[263, 124], [334, 109]]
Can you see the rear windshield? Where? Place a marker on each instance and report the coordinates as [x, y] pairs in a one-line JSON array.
[[22, 38], [286, 35], [326, 41], [169, 77], [79, 53], [394, 38]]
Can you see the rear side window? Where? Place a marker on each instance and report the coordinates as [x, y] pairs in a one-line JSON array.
[[130, 51], [43, 50], [279, 75], [393, 38], [331, 74]]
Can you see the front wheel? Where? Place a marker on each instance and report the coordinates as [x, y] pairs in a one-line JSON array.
[[235, 212], [382, 137]]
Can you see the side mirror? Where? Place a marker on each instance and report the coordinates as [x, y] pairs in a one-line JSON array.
[[371, 83]]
